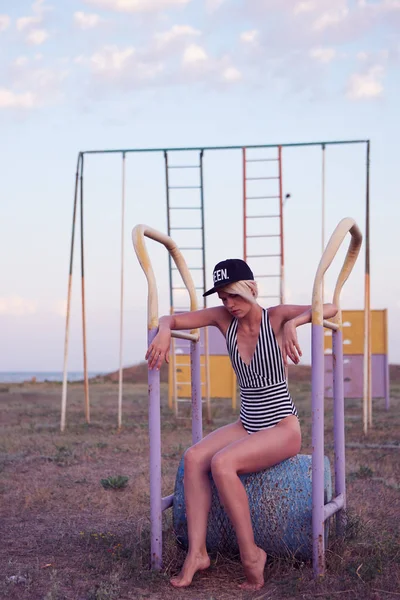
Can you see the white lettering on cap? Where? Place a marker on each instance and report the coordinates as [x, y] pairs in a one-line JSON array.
[[220, 275]]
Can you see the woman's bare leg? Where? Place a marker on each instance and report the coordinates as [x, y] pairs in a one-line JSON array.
[[248, 455], [198, 496]]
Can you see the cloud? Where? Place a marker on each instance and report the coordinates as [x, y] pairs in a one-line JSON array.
[[249, 37], [27, 22], [4, 22], [111, 59], [213, 5], [36, 37], [231, 75], [137, 6], [366, 85], [194, 54], [304, 7], [330, 18], [86, 20], [323, 55], [177, 32], [15, 305], [123, 66], [32, 87]]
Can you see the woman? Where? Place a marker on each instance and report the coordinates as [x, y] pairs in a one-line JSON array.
[[267, 432]]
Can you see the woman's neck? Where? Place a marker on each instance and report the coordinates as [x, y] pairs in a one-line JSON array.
[[251, 321]]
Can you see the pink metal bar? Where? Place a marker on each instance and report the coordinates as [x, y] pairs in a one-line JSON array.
[[155, 462], [338, 426], [167, 502], [334, 506], [386, 383], [197, 417], [317, 351]]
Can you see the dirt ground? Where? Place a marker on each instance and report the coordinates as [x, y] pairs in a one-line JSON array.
[[65, 537]]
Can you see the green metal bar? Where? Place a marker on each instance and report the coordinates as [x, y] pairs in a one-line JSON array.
[[201, 149]]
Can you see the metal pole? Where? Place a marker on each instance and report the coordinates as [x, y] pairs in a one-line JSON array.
[[66, 342], [249, 146], [121, 308], [323, 212], [172, 385], [317, 350], [155, 462], [206, 346], [84, 338], [281, 230], [244, 207], [338, 426], [197, 420], [367, 401]]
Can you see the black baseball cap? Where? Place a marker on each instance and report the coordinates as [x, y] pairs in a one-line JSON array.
[[229, 271]]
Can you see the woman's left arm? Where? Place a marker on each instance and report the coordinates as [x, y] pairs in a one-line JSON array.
[[286, 318]]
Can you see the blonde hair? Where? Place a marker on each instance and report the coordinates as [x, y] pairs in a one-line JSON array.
[[247, 289]]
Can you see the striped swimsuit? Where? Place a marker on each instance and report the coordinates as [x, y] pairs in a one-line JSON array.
[[264, 393]]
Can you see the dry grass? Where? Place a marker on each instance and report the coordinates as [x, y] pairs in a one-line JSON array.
[[65, 537]]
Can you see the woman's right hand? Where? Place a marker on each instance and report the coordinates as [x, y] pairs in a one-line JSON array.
[[158, 351]]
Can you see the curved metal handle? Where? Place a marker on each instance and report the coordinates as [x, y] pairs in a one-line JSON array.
[[345, 226], [138, 234]]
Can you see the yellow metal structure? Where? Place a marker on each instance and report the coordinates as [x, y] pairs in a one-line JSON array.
[[353, 332], [222, 378]]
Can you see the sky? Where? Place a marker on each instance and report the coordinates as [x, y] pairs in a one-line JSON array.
[[82, 75]]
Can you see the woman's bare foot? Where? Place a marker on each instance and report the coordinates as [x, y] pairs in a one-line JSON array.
[[254, 571], [192, 564]]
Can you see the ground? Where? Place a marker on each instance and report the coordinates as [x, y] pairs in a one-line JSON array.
[[66, 537]]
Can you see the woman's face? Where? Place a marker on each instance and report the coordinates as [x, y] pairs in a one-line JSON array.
[[235, 304]]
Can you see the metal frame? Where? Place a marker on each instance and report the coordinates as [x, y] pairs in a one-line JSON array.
[[320, 511], [367, 399]]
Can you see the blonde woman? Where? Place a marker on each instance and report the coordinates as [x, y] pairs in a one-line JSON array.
[[259, 342]]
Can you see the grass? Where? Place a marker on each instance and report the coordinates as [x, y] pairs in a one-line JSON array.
[[65, 537]]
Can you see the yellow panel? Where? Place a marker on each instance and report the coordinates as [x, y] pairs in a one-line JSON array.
[[221, 376], [353, 334]]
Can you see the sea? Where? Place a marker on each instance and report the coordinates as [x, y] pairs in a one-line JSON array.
[[55, 376]]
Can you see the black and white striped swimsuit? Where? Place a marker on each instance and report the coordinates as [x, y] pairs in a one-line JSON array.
[[264, 393]]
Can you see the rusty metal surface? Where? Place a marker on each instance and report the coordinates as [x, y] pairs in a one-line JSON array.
[[280, 505]]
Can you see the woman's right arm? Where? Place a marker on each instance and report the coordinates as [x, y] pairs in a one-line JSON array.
[[158, 350]]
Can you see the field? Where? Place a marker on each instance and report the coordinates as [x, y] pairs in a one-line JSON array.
[[64, 536]]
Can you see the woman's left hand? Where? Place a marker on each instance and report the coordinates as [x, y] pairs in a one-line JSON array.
[[290, 344]]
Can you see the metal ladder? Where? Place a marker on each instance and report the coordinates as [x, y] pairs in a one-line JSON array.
[[185, 221], [263, 247]]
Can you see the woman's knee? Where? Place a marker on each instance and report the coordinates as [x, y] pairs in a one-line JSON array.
[[221, 465], [195, 458]]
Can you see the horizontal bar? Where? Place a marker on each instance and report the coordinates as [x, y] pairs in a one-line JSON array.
[[260, 197], [260, 216], [186, 228], [185, 208], [260, 178], [265, 235], [330, 325], [261, 159], [183, 166], [333, 506], [185, 288], [191, 248], [189, 149], [167, 502], [260, 256], [185, 336], [184, 187]]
